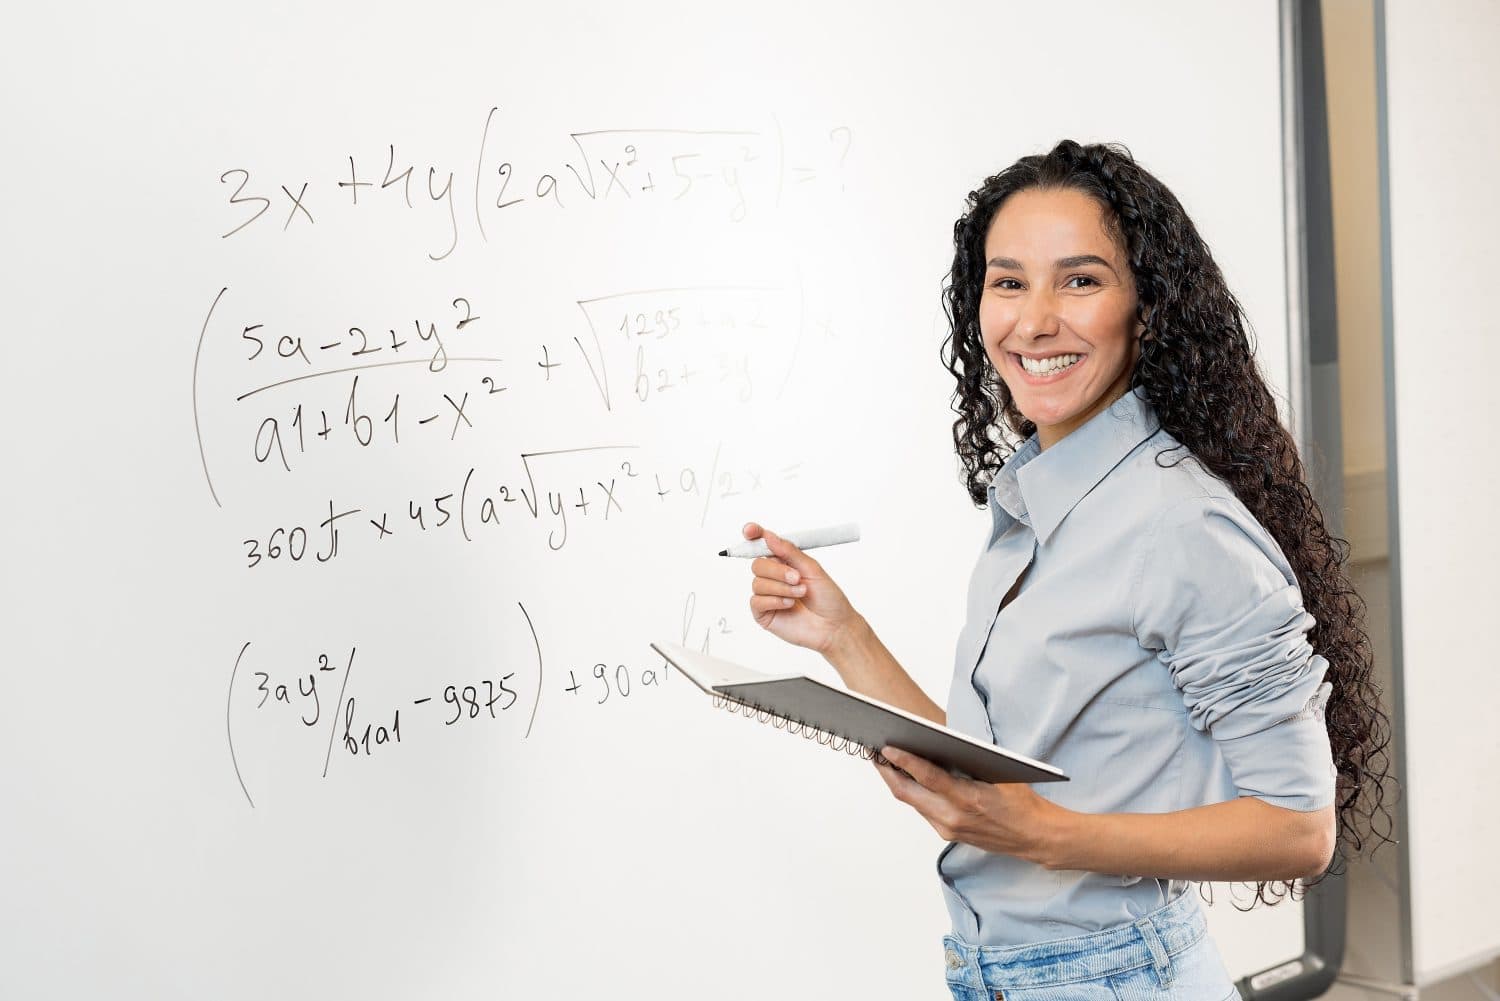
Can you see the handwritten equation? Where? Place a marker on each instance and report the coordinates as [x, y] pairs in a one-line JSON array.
[[317, 395], [738, 171], [471, 509], [318, 694]]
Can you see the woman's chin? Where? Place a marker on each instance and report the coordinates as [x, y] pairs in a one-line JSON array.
[[1055, 406], [1046, 412]]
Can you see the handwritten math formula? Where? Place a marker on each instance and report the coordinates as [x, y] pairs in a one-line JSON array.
[[427, 410], [737, 171], [318, 694]]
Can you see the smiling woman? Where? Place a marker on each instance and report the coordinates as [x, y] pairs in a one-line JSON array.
[[1158, 609], [1058, 315]]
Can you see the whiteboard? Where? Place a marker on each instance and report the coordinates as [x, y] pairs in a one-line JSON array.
[[1438, 81], [345, 499]]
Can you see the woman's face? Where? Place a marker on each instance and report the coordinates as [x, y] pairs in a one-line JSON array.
[[1058, 293]]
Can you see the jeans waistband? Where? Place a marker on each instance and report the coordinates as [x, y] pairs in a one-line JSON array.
[[1151, 940]]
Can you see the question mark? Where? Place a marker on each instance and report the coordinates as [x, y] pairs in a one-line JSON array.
[[848, 141]]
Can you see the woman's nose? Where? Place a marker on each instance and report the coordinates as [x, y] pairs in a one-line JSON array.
[[1038, 316]]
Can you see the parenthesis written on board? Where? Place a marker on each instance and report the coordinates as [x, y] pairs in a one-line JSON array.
[[229, 717], [463, 504]]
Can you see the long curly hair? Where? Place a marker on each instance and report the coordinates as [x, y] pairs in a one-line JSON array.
[[1197, 370]]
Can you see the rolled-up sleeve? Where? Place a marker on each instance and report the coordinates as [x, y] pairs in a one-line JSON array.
[[1219, 604]]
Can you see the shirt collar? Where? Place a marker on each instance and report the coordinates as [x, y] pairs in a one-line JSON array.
[[1040, 488]]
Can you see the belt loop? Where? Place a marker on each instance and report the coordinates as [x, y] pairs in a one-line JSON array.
[[1160, 961], [976, 972]]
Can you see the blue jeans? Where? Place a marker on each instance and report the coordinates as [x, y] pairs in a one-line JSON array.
[[1165, 956]]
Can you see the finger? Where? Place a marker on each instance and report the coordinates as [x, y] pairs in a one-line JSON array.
[[937, 810], [761, 604], [887, 773], [770, 567], [791, 555], [779, 588], [922, 771], [909, 791], [751, 531], [894, 777]]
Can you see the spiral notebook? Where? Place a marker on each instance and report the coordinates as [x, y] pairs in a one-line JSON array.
[[848, 721]]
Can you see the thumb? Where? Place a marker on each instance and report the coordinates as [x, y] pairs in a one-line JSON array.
[[791, 555]]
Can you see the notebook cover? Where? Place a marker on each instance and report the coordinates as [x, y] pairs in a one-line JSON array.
[[856, 717]]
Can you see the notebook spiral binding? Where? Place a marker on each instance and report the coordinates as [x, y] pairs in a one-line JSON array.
[[794, 726]]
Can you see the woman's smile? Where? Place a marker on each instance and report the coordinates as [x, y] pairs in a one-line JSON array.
[[1048, 369]]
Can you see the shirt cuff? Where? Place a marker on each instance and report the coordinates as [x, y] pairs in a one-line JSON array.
[[1289, 765]]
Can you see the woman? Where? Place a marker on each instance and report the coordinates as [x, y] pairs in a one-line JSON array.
[[1159, 609]]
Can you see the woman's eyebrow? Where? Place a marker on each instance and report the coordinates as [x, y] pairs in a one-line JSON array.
[[1076, 261]]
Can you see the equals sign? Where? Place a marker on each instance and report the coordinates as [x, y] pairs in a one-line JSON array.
[[790, 472]]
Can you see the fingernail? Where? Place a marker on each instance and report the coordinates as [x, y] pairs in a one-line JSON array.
[[791, 576], [800, 590], [786, 602]]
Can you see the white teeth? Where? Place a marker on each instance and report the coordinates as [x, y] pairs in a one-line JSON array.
[[1048, 365]]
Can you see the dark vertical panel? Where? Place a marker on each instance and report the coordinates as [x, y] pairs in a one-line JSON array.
[[1314, 342], [1325, 458]]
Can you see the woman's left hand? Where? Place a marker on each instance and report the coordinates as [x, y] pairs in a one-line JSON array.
[[1009, 818]]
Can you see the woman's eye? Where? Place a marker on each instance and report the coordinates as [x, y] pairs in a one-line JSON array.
[[1009, 284], [1081, 278]]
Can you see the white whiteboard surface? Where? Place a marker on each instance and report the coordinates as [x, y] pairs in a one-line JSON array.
[[785, 178], [1442, 89]]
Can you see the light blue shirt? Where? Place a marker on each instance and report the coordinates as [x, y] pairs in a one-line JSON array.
[[1156, 651]]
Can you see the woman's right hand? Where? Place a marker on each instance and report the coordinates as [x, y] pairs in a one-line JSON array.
[[794, 598]]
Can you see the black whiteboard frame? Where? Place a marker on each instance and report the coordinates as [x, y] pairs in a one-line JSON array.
[[1313, 391]]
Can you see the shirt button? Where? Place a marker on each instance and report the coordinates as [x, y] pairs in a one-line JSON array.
[[953, 961]]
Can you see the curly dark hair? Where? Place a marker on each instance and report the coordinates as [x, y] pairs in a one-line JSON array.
[[1197, 370]]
